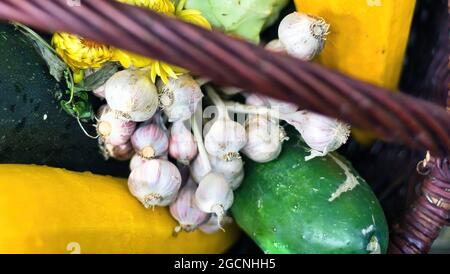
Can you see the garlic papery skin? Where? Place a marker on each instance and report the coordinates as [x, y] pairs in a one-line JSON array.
[[150, 141], [199, 169], [214, 195], [231, 91], [137, 161], [275, 46], [155, 183], [265, 139], [120, 152], [211, 226], [179, 97], [232, 171], [225, 139], [100, 91], [112, 130], [322, 134], [132, 95], [303, 36], [185, 211], [182, 145]]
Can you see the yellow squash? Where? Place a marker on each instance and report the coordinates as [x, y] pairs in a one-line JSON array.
[[367, 38], [49, 210]]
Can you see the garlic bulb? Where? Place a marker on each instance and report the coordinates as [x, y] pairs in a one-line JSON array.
[[155, 183], [179, 97], [232, 171], [225, 139], [132, 95], [214, 195], [211, 226], [100, 91], [198, 168], [137, 161], [322, 134], [303, 36], [185, 211], [150, 141], [120, 152], [265, 139], [112, 130], [231, 91], [182, 145], [276, 46]]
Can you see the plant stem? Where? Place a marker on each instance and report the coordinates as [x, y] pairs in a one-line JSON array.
[[256, 110], [201, 147], [215, 98]]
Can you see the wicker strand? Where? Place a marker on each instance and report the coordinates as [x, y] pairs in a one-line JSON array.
[[232, 62], [428, 214]]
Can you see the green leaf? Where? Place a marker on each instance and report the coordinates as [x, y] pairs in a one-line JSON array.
[[54, 63], [99, 77]]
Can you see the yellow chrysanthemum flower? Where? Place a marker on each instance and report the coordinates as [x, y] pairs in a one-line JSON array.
[[162, 6], [80, 53], [194, 17]]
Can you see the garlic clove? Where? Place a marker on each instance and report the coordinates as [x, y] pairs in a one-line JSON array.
[[185, 211], [214, 195], [233, 171], [179, 97], [276, 46], [121, 152], [265, 138], [182, 145], [225, 139], [155, 183], [212, 226], [303, 36], [322, 134], [112, 130], [150, 141], [132, 95]]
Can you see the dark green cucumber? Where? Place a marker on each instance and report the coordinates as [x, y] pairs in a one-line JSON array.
[[293, 206], [33, 128]]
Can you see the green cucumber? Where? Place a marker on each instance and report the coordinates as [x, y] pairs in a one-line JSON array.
[[33, 128], [319, 206]]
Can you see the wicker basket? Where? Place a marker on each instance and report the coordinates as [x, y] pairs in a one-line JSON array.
[[408, 126]]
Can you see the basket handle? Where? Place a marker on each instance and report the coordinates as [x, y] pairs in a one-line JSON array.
[[231, 62]]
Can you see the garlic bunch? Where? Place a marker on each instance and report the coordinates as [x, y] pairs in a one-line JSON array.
[[155, 183], [182, 145], [150, 141], [322, 134], [179, 97], [132, 95], [185, 211], [265, 139], [214, 195], [120, 152], [112, 130], [303, 36], [212, 225]]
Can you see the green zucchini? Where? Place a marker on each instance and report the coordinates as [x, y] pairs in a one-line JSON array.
[[319, 206], [33, 128]]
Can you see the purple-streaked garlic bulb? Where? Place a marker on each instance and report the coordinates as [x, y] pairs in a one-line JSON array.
[[121, 152], [111, 129], [179, 97], [155, 183], [185, 211], [182, 145], [150, 141]]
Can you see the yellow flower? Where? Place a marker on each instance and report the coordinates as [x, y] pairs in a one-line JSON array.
[[194, 17], [162, 6], [80, 53]]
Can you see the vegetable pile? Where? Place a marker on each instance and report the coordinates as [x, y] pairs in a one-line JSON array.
[[183, 135]]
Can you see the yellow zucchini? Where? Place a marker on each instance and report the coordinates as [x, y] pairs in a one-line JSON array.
[[367, 39], [49, 210]]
